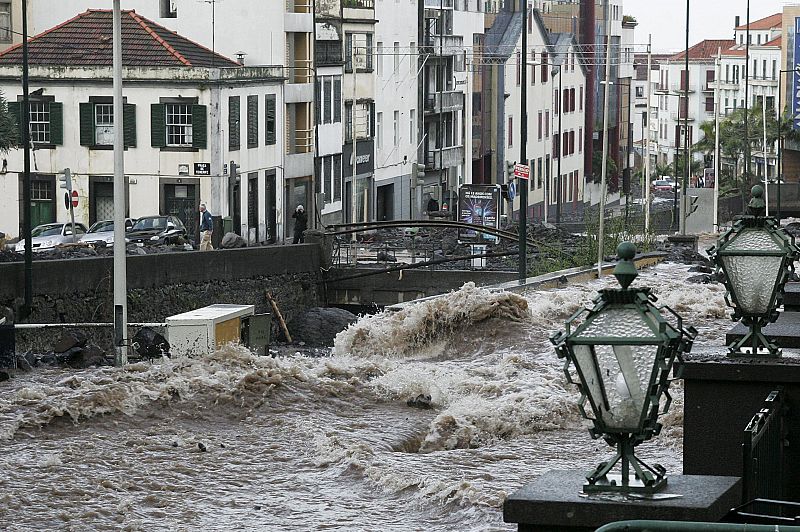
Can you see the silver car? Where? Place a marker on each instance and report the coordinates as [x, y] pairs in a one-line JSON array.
[[102, 232], [48, 236]]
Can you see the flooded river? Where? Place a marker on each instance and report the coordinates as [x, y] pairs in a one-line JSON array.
[[232, 441]]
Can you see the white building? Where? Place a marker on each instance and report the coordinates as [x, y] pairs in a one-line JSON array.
[[555, 108], [262, 33], [178, 96], [676, 118], [396, 108]]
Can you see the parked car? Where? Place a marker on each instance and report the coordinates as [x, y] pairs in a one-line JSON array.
[[48, 236], [153, 230], [663, 185], [103, 232]]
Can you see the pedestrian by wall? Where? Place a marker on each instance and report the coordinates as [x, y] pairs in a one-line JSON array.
[[206, 228], [300, 224]]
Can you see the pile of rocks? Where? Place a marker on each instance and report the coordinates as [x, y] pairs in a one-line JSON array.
[[72, 350]]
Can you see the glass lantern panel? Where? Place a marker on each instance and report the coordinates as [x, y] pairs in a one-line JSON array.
[[617, 378], [753, 280], [619, 323], [753, 240]]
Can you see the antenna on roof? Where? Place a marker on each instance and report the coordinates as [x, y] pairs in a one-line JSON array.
[[213, 29]]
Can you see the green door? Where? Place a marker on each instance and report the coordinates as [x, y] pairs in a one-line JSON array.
[[43, 205]]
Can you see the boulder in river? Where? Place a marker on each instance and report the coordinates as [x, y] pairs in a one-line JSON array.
[[232, 241], [317, 327]]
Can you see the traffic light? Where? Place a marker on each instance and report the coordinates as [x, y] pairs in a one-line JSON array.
[[66, 180], [692, 206], [510, 171]]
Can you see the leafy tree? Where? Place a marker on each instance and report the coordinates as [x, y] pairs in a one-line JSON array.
[[9, 130]]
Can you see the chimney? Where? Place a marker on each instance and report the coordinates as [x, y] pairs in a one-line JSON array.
[[240, 57], [736, 25]]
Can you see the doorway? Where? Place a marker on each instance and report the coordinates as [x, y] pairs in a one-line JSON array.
[[252, 207], [180, 199], [271, 207], [43, 205], [385, 203], [298, 192]]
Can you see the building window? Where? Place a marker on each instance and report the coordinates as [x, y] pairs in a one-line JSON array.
[[396, 60], [640, 92], [396, 128], [5, 21], [359, 47], [510, 131], [179, 124], [378, 131], [364, 120], [40, 122], [412, 127], [169, 9], [709, 104], [519, 68], [379, 59], [580, 99], [104, 124], [252, 121], [271, 120], [234, 114]]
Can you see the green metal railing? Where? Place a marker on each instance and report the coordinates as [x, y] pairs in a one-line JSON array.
[[687, 526], [763, 451]]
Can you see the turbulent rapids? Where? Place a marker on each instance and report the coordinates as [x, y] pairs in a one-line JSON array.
[[231, 440]]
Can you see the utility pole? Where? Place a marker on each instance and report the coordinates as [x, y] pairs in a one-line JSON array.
[[746, 96], [716, 139], [686, 147], [26, 168], [523, 153], [120, 270], [354, 137], [646, 134], [766, 166], [603, 172]]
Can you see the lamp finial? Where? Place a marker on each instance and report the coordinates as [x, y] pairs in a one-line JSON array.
[[625, 271]]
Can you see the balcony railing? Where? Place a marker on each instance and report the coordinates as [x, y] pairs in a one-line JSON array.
[[680, 87], [679, 116], [445, 44], [359, 4], [301, 72], [301, 142], [439, 159], [299, 6], [444, 102]]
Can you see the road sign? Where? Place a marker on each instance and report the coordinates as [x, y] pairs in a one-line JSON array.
[[66, 200], [522, 171], [512, 191], [74, 198]]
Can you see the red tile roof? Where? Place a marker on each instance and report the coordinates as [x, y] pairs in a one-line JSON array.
[[706, 49], [86, 40], [774, 42], [766, 23]]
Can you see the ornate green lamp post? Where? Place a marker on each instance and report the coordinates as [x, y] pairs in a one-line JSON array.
[[623, 350], [755, 258]]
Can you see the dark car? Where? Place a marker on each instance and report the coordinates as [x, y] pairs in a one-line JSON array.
[[153, 230]]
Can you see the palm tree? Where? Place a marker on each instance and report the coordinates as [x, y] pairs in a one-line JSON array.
[[9, 130]]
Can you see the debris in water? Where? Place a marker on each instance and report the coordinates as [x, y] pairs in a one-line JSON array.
[[201, 446], [420, 401]]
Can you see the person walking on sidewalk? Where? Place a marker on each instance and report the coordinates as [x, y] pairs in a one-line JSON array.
[[300, 224], [206, 229]]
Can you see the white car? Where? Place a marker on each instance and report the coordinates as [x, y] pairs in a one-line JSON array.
[[48, 236], [102, 232]]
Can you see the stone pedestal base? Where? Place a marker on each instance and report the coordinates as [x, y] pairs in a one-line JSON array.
[[721, 395], [554, 503]]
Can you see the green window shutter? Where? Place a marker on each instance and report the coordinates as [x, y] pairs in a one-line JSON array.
[[234, 125], [271, 119], [87, 124], [199, 127], [158, 125], [15, 110], [56, 123], [252, 121], [129, 124]]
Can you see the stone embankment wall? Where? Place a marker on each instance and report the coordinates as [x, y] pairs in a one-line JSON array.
[[81, 290]]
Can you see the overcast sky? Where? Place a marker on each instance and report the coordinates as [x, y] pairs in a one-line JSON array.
[[708, 19]]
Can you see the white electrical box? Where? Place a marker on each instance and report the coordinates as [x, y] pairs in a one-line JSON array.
[[206, 329]]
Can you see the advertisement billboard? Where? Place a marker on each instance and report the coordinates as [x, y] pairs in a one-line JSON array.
[[478, 205]]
